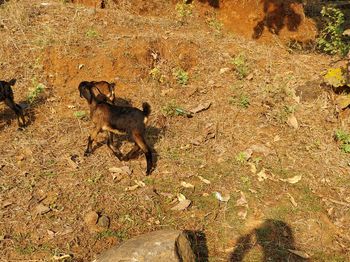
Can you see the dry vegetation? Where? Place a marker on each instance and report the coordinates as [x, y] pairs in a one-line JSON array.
[[47, 185]]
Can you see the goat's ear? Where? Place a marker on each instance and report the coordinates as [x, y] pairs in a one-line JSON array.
[[12, 82]]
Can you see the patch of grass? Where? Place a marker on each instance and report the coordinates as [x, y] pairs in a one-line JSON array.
[[34, 93], [241, 157], [80, 114], [344, 138], [183, 11], [94, 179], [91, 33], [120, 234], [181, 76], [157, 75], [241, 101], [48, 174], [331, 39], [172, 109], [240, 64], [215, 24]]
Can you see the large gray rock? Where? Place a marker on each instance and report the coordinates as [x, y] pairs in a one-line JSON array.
[[158, 246]]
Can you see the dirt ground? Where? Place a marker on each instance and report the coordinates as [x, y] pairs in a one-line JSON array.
[[266, 141]]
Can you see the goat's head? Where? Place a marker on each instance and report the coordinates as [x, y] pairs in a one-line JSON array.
[[85, 91]]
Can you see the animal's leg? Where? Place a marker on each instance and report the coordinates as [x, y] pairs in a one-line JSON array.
[[140, 141]]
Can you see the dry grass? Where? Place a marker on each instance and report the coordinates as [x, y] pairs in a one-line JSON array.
[[53, 45]]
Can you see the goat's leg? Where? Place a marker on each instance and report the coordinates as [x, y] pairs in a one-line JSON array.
[[132, 152], [140, 141], [91, 139], [114, 149], [18, 111]]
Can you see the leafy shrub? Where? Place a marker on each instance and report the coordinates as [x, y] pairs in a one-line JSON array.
[[157, 75], [183, 10], [241, 65], [181, 76], [37, 89], [343, 137], [331, 39]]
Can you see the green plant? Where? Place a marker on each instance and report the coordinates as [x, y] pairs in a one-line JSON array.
[[181, 76], [184, 10], [344, 138], [157, 75], [37, 89], [171, 109], [80, 114], [241, 157], [121, 235], [91, 33], [215, 24], [331, 39], [241, 65], [242, 101]]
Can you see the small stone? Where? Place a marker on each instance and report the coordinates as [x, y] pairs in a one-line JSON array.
[[103, 222], [91, 218]]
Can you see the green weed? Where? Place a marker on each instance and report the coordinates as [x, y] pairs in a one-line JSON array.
[[344, 138], [184, 11], [91, 33], [241, 66], [37, 89], [181, 76], [331, 39]]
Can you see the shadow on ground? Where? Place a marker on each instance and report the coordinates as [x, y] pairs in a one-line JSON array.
[[274, 237], [277, 15]]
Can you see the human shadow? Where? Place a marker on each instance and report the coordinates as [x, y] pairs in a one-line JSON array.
[[275, 238], [199, 246], [277, 15]]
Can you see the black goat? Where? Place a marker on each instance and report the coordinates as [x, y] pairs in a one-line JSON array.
[[115, 120], [6, 95]]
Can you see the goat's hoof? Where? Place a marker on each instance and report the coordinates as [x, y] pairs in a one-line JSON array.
[[87, 153]]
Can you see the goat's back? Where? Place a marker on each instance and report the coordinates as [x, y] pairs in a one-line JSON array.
[[122, 118]]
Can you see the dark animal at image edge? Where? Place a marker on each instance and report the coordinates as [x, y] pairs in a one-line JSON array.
[[6, 95], [115, 120]]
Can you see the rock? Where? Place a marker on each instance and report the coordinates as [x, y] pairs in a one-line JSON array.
[[90, 220], [103, 222], [157, 246]]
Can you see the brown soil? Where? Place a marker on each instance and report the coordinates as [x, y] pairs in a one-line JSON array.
[[47, 186]]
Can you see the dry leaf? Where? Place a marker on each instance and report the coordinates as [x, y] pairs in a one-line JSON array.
[[132, 188], [242, 202], [252, 168], [180, 197], [243, 214], [200, 108], [206, 181], [186, 185], [140, 183], [299, 253], [224, 70], [262, 175], [124, 170], [182, 205], [292, 200], [292, 180], [222, 198], [292, 121]]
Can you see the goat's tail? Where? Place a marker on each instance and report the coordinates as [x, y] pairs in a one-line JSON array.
[[146, 109]]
